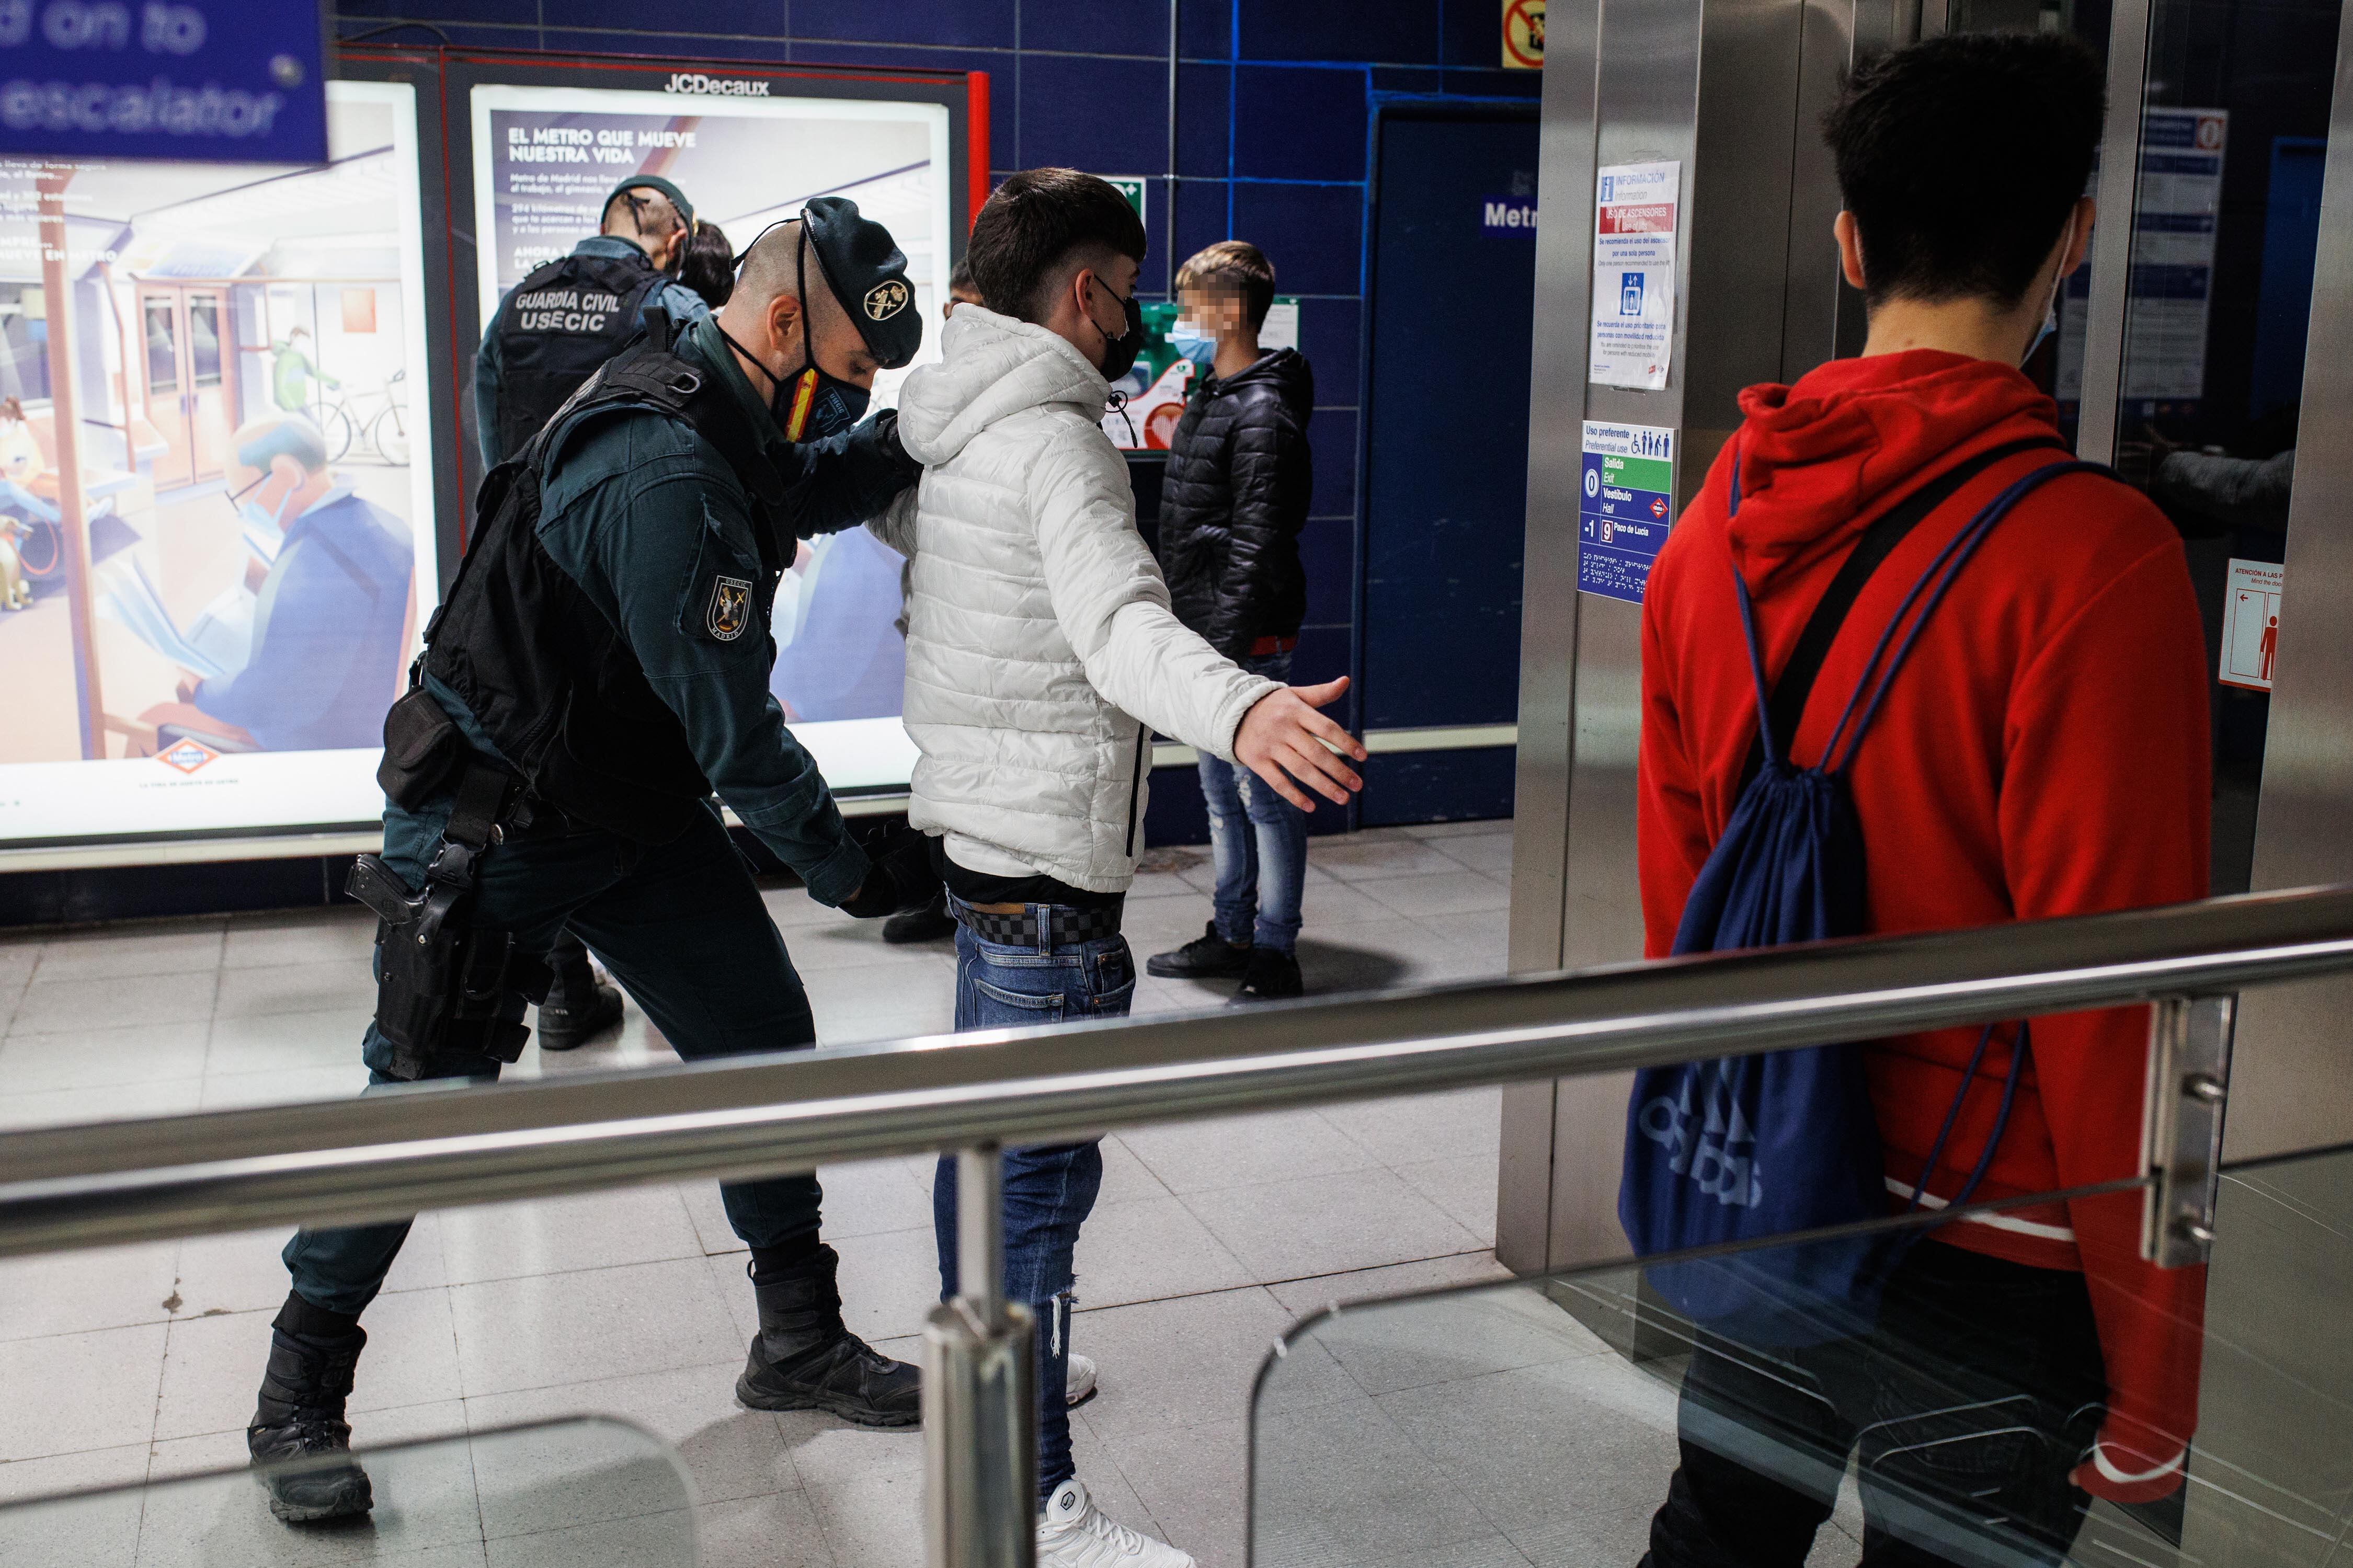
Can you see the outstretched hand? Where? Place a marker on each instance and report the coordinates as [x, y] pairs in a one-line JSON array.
[[1283, 738]]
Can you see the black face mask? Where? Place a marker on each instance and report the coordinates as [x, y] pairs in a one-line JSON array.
[[815, 404], [1118, 352]]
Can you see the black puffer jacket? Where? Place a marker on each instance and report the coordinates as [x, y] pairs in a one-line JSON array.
[[1237, 492]]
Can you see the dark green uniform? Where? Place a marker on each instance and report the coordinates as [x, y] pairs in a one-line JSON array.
[[656, 529]]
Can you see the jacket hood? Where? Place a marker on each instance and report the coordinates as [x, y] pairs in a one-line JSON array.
[[1286, 370], [993, 367], [1818, 459]]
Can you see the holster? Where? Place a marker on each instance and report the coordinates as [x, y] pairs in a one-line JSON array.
[[440, 979]]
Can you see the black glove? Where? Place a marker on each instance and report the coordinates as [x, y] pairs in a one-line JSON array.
[[886, 426], [901, 878]]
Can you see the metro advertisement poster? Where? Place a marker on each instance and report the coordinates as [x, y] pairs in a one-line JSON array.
[[216, 538], [545, 160]]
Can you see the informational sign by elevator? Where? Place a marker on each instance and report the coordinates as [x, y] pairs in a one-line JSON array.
[[2174, 225], [1624, 505], [1634, 217], [2251, 610]]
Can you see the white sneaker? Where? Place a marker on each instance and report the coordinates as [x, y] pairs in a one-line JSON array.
[[1075, 1533], [1078, 1380]]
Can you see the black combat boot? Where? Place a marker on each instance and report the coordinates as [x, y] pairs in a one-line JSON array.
[[579, 1006], [298, 1427], [804, 1357]]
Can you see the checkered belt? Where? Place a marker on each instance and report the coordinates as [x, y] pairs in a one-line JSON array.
[[1066, 926]]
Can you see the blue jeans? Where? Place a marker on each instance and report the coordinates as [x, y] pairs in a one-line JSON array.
[[1259, 843], [1048, 1190], [680, 925]]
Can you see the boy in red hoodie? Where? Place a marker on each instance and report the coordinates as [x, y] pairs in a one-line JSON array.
[[2042, 752]]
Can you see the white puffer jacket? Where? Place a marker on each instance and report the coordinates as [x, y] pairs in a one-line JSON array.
[[1038, 632]]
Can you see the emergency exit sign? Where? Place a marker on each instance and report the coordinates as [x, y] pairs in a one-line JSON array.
[[1131, 187]]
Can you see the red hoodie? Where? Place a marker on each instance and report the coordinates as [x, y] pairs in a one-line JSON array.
[[2042, 752]]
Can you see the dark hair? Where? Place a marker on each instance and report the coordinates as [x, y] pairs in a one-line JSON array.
[[652, 214], [960, 278], [1233, 266], [709, 266], [1030, 226], [1961, 157]]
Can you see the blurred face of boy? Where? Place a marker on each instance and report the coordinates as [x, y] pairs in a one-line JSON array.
[[1217, 313]]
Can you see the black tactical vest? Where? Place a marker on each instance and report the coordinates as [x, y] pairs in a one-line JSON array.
[[567, 318], [558, 690]]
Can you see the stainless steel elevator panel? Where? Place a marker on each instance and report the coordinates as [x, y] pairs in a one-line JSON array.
[[2290, 1082], [1716, 85], [1549, 602]]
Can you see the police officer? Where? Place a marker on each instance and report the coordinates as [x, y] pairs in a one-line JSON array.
[[572, 314], [599, 668], [554, 329]]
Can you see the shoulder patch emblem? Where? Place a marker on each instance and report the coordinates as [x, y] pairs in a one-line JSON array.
[[886, 299], [731, 607]]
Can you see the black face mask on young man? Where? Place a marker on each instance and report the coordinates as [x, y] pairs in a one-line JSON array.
[[814, 403], [1118, 352]]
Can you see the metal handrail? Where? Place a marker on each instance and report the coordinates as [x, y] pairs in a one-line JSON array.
[[390, 1154]]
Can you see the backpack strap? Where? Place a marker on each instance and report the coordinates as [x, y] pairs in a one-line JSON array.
[[1780, 712], [1880, 670]]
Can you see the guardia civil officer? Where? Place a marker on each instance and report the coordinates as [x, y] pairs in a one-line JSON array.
[[554, 329], [599, 668]]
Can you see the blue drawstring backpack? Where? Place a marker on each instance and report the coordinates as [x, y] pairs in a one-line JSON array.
[[1749, 1147]]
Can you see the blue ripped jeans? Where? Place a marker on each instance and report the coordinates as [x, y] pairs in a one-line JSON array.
[[1258, 841], [1050, 1190]]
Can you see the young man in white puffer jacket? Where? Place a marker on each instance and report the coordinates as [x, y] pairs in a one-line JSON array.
[[1041, 654]]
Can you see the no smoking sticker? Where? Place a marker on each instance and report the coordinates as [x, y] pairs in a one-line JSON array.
[[1524, 30]]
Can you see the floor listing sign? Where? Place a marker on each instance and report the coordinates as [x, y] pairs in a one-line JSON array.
[[1624, 505]]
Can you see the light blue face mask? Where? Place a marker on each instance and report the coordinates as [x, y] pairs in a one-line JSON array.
[[1192, 343], [254, 512]]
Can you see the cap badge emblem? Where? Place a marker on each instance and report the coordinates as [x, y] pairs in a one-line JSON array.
[[886, 300]]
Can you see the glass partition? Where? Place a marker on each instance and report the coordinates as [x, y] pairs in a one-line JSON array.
[[1546, 1420], [583, 1493]]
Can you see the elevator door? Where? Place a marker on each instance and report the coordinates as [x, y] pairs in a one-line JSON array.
[[1452, 291]]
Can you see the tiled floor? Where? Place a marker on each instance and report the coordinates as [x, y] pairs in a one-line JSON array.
[[1208, 1242]]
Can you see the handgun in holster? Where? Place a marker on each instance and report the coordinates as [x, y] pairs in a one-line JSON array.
[[440, 978]]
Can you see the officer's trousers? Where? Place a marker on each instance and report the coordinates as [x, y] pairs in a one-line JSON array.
[[682, 929]]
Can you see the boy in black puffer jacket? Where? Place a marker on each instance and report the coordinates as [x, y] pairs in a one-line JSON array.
[[1238, 480]]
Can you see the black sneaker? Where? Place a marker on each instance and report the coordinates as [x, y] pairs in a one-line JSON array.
[[299, 1440], [1207, 957], [579, 1006], [929, 923], [1272, 976], [806, 1358]]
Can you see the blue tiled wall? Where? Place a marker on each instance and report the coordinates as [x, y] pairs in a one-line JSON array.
[[1274, 102]]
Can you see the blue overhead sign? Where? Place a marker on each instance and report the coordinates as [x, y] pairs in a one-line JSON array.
[[235, 81]]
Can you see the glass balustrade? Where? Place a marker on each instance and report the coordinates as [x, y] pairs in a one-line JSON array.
[[579, 1493], [1542, 1421]]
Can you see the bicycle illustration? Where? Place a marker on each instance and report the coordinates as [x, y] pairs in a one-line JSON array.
[[342, 420]]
